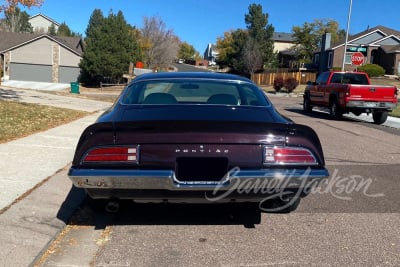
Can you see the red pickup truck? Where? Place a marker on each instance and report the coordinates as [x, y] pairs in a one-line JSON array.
[[344, 92]]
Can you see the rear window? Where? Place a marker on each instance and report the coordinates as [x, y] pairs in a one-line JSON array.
[[172, 92], [349, 78]]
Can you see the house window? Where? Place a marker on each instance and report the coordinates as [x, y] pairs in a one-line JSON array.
[[348, 58], [316, 60], [330, 60]]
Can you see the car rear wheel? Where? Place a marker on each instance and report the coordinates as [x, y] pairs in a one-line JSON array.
[[379, 116], [334, 110], [307, 104]]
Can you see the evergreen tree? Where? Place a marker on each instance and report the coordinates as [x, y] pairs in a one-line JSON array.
[[261, 32], [110, 46], [240, 38], [64, 30], [52, 30]]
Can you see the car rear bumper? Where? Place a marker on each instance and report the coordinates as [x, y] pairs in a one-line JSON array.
[[370, 105], [243, 184]]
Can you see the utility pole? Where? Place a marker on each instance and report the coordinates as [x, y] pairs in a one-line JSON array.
[[347, 35]]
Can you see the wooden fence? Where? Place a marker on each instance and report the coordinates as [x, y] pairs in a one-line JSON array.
[[267, 78]]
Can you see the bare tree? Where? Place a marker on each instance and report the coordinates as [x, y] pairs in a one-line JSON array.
[[16, 21], [10, 5], [159, 44], [252, 56]]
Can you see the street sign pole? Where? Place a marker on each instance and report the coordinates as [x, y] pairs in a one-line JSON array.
[[347, 35]]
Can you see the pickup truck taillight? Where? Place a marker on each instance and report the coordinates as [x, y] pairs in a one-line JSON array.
[[128, 154], [288, 156]]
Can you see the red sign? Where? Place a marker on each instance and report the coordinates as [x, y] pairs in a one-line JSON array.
[[139, 65], [357, 58]]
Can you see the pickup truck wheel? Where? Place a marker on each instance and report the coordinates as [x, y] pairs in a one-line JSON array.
[[334, 110], [307, 104], [379, 116]]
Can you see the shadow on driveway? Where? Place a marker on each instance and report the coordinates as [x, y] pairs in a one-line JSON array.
[[9, 95], [78, 209]]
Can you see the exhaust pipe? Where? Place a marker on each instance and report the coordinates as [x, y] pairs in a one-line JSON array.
[[112, 206]]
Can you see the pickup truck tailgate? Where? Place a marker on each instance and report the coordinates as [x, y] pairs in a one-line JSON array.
[[373, 92]]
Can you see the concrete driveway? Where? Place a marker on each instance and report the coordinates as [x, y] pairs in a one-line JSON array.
[[37, 97]]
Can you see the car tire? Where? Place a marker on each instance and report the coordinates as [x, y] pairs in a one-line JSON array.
[[96, 205], [379, 117], [334, 110], [307, 103]]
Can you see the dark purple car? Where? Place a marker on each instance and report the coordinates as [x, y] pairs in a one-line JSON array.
[[194, 138]]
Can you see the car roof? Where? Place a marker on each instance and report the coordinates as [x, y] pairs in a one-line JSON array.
[[190, 75]]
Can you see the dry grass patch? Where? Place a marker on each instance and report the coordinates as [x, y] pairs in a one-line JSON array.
[[22, 119], [396, 112]]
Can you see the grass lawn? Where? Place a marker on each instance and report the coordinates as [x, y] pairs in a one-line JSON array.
[[22, 119], [396, 112]]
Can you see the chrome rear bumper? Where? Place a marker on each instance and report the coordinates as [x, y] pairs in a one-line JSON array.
[[166, 179]]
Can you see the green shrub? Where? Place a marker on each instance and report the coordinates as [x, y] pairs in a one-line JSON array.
[[373, 70], [290, 84], [336, 68], [278, 83]]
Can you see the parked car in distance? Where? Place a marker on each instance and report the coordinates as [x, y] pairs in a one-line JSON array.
[[194, 138], [344, 92], [181, 61]]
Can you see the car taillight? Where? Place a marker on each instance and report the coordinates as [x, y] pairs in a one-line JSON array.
[[112, 154], [288, 156]]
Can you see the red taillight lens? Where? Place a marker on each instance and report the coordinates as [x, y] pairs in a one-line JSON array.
[[288, 156], [112, 154]]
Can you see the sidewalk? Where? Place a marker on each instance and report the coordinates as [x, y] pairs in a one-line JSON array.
[[28, 161], [29, 222], [37, 97]]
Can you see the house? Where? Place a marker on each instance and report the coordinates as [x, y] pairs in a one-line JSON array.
[[41, 23], [40, 57], [211, 53], [283, 41], [283, 46], [379, 45]]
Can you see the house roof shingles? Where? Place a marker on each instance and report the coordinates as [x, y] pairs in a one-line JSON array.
[[45, 17], [385, 30], [9, 40]]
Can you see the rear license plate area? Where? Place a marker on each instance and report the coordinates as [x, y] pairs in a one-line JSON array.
[[192, 170]]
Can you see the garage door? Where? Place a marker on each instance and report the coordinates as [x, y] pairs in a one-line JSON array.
[[30, 72], [68, 74]]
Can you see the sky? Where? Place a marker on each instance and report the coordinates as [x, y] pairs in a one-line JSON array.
[[199, 22]]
